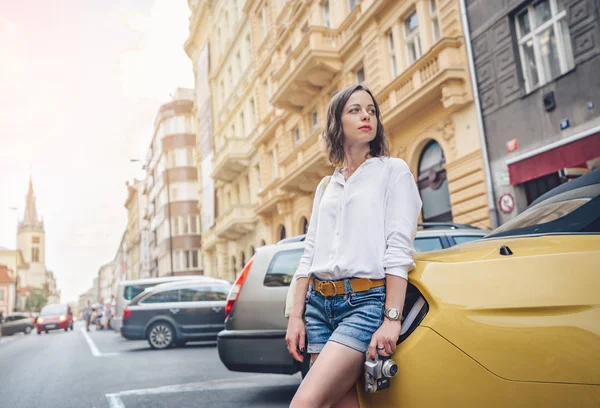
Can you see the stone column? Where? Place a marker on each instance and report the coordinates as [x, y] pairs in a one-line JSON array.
[[222, 261]]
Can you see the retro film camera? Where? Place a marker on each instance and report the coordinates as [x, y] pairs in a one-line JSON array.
[[378, 372]]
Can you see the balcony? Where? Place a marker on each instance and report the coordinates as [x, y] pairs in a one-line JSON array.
[[236, 222], [231, 159], [305, 166], [441, 75], [308, 68], [271, 200]]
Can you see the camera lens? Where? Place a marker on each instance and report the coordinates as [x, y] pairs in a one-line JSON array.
[[389, 368]]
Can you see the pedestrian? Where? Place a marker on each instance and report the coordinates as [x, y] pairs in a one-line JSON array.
[[87, 314], [107, 313], [99, 314], [352, 278]]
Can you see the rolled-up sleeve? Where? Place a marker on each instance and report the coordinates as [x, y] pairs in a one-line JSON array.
[[402, 210], [309, 248]]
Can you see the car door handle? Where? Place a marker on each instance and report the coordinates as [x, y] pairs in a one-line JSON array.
[[217, 308], [174, 311]]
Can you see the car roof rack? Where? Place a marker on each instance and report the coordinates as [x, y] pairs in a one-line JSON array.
[[449, 225]]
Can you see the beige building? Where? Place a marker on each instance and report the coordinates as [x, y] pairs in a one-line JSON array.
[[137, 234], [8, 286], [172, 189], [275, 64], [52, 287]]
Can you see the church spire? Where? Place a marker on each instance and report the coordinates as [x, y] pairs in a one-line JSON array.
[[30, 218]]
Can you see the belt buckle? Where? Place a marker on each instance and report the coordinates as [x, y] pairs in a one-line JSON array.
[[320, 287]]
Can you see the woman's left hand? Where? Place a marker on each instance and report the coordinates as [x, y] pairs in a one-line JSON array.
[[387, 335]]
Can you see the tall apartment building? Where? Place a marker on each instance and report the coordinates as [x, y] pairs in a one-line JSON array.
[[137, 232], [538, 81], [274, 66], [172, 190]]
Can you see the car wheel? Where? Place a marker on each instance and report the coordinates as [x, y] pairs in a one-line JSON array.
[[39, 332], [305, 364], [46, 331], [27, 330], [71, 327], [161, 335]]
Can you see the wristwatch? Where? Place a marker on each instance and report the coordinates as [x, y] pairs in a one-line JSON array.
[[392, 314]]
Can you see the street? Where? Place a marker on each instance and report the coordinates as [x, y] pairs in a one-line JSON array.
[[101, 369]]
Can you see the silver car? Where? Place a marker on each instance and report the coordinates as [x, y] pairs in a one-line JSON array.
[[254, 335]]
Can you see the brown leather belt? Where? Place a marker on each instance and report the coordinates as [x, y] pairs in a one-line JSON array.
[[332, 288]]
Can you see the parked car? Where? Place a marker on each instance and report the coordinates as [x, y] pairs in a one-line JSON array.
[[55, 317], [254, 335], [177, 312], [129, 289], [16, 323], [512, 319]]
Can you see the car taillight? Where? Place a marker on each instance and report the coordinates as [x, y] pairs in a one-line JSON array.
[[126, 314], [237, 287]]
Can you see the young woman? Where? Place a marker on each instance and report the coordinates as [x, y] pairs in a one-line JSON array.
[[351, 281]]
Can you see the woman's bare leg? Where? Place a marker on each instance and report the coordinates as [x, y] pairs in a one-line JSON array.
[[331, 379]]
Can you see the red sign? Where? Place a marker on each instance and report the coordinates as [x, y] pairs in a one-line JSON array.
[[506, 203], [512, 145]]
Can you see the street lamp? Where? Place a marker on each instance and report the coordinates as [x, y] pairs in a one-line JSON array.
[[167, 186]]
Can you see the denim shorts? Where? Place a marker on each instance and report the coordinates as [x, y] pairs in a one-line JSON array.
[[349, 319]]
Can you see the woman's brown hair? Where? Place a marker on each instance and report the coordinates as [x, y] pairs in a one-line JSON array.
[[333, 133]]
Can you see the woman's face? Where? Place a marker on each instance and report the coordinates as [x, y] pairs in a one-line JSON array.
[[359, 119]]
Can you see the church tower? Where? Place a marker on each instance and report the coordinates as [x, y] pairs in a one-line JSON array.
[[31, 241]]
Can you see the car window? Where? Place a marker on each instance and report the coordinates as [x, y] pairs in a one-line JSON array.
[[53, 310], [132, 291], [425, 244], [194, 294], [461, 239], [204, 293], [162, 297], [282, 268]]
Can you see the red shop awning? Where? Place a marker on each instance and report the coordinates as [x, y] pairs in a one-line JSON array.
[[568, 155]]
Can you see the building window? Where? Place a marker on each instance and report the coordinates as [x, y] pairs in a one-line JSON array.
[[435, 22], [35, 240], [392, 51], [282, 234], [296, 135], [249, 188], [35, 254], [248, 50], [252, 114], [238, 65], [258, 181], [433, 184], [273, 164], [268, 95], [263, 24], [412, 39], [243, 124], [326, 14], [315, 119], [360, 75], [544, 42], [351, 5], [304, 224]]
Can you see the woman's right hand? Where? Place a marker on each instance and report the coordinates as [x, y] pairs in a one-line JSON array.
[[295, 337]]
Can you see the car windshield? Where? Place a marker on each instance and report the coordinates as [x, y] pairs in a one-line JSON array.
[[53, 310], [569, 212]]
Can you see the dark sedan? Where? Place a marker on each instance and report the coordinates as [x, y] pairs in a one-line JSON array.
[[16, 323], [177, 312]]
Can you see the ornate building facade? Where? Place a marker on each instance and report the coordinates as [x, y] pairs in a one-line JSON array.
[[273, 66]]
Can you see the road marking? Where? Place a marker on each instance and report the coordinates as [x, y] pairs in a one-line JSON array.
[[114, 401], [90, 342], [253, 382]]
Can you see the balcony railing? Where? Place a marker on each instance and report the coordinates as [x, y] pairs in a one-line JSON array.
[[236, 222], [439, 76], [231, 159], [310, 66]]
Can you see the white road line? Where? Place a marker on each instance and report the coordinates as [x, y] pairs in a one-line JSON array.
[[114, 401], [90, 342], [248, 382]]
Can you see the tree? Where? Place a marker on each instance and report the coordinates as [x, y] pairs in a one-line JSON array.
[[36, 300]]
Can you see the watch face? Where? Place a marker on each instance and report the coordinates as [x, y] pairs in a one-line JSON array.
[[392, 313]]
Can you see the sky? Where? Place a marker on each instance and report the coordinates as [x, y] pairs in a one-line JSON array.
[[81, 83]]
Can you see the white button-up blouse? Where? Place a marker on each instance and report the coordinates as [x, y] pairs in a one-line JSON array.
[[363, 227]]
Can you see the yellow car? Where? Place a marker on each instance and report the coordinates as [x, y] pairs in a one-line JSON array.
[[512, 320]]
